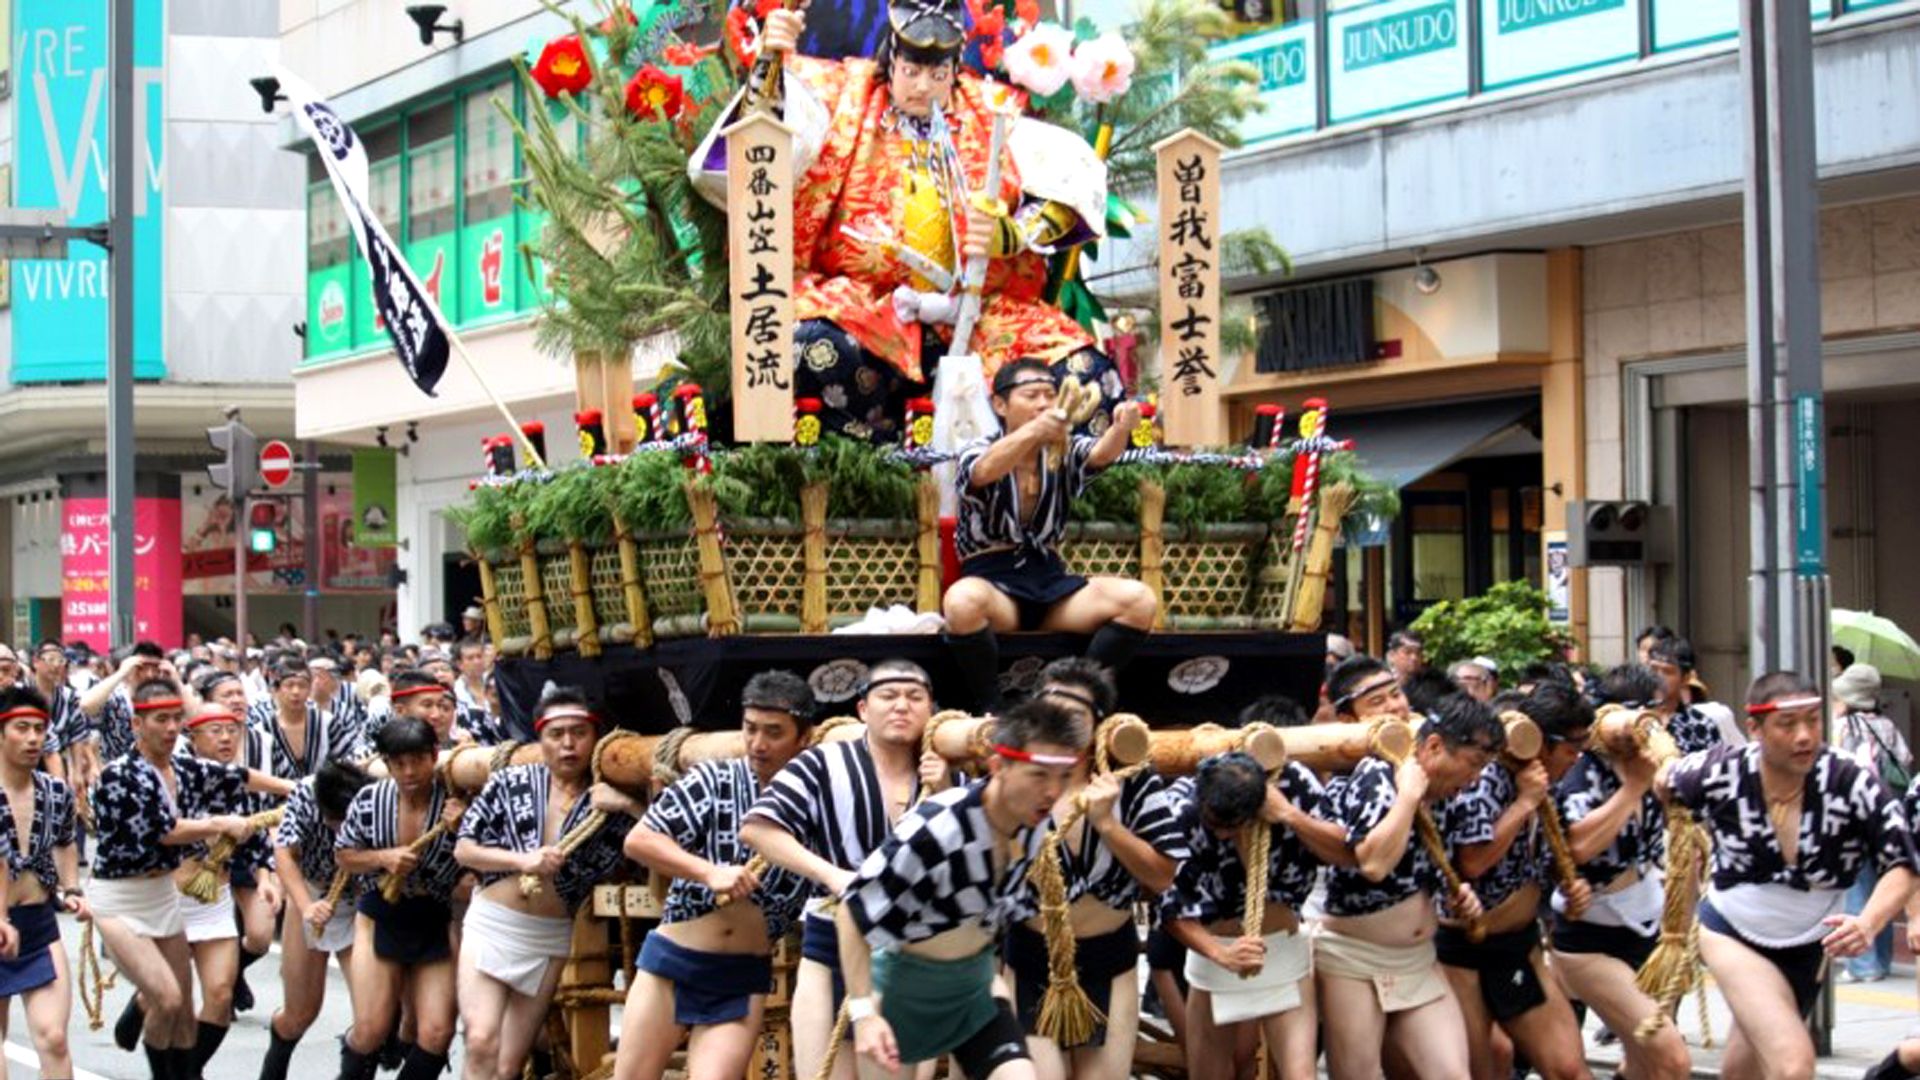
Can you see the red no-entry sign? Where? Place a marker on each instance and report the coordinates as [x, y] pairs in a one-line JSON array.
[[276, 463]]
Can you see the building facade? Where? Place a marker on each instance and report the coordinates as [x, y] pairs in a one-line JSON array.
[[1537, 204], [217, 313]]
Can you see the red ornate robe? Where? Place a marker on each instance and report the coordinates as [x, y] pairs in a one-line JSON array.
[[858, 179]]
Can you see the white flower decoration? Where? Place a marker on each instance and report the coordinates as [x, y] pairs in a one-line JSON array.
[[1039, 61], [1102, 68]]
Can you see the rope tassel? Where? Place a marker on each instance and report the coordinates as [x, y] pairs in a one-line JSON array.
[[204, 885]]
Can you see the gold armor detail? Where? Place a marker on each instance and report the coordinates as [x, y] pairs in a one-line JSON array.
[[926, 227]]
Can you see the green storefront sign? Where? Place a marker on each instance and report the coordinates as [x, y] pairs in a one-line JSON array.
[[374, 503], [1284, 57], [1400, 36], [1394, 55], [1526, 14], [1525, 40]]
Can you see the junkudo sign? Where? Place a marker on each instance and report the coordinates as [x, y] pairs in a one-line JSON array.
[[61, 107], [1523, 40], [1678, 24], [1284, 56], [1396, 54]]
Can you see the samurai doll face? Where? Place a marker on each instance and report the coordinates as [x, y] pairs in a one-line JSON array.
[[917, 87]]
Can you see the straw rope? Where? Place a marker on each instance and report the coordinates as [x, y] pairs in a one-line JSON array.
[[204, 884], [1067, 1014], [93, 990], [530, 884]]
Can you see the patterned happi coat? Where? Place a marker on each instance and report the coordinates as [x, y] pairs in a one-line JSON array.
[[859, 178]]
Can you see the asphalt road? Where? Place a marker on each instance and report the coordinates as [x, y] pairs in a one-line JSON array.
[[95, 1057]]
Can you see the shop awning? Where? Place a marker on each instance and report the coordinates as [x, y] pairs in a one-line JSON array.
[[1400, 446]]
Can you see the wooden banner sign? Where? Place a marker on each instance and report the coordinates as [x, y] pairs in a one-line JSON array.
[[760, 267], [1189, 190]]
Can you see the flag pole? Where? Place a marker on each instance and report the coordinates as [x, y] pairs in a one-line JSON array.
[[473, 368]]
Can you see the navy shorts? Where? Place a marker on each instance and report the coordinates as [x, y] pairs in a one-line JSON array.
[[708, 988]]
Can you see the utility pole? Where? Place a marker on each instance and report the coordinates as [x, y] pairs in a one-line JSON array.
[[120, 438], [315, 537], [1786, 410]]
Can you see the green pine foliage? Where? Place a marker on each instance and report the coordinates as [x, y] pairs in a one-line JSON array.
[[575, 505], [863, 482], [489, 519], [630, 248], [1507, 623], [648, 492]]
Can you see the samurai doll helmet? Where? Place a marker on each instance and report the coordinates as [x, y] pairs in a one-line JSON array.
[[924, 32]]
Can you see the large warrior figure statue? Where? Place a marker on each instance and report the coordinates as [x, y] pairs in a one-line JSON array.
[[893, 158]]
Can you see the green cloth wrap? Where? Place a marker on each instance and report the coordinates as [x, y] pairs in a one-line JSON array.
[[933, 1005]]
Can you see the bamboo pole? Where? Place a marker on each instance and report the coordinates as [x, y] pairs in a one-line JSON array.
[[722, 618], [587, 636], [813, 554], [1335, 501], [926, 495], [1153, 547], [536, 597], [490, 599], [637, 614]]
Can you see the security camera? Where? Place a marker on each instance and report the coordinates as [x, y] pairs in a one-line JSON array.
[[268, 88], [427, 18]]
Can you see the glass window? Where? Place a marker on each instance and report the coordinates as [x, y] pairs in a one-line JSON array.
[[1438, 532], [328, 237], [487, 174], [430, 181], [383, 152]]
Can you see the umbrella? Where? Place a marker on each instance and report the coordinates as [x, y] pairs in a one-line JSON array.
[[1879, 641]]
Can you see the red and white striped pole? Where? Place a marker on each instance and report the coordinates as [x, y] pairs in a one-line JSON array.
[[1306, 467]]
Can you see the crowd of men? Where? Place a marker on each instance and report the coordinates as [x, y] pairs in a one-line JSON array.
[[923, 933]]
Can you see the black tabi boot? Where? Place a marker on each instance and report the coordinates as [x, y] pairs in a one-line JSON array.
[[279, 1054], [394, 1053], [126, 1030], [355, 1065], [978, 657], [1889, 1069], [242, 993], [206, 1044], [158, 1062], [421, 1065], [1114, 644], [183, 1065]]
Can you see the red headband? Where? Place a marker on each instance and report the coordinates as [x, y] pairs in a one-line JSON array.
[[566, 712], [213, 718], [410, 691], [22, 712], [159, 705], [1783, 705], [1064, 761]]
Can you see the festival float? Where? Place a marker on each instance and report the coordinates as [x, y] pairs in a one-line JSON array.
[[780, 494]]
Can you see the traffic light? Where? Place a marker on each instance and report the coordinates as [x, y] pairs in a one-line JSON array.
[[239, 472], [261, 536], [1618, 533]]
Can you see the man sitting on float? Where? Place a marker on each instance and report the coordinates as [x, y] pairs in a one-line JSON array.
[[891, 155], [1015, 491]]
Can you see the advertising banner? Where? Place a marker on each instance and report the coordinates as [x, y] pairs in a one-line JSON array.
[[206, 544], [85, 611], [1523, 40], [374, 501], [60, 113], [1396, 54]]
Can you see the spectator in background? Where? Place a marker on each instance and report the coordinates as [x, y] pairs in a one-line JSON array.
[[1644, 641], [1841, 661], [9, 666], [1339, 648], [1478, 678], [1860, 732], [473, 623], [1406, 654], [470, 689], [1425, 689]]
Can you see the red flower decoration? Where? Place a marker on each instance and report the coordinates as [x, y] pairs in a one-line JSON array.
[[653, 94], [990, 26], [741, 36], [686, 54], [1027, 11], [563, 67], [767, 7]]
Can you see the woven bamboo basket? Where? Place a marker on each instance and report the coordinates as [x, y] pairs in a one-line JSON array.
[[1210, 574], [1272, 589]]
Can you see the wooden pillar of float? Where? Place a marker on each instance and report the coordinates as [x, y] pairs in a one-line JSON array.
[[490, 599], [773, 1049], [587, 637], [813, 558], [605, 382], [926, 498], [588, 1022], [1153, 547]]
